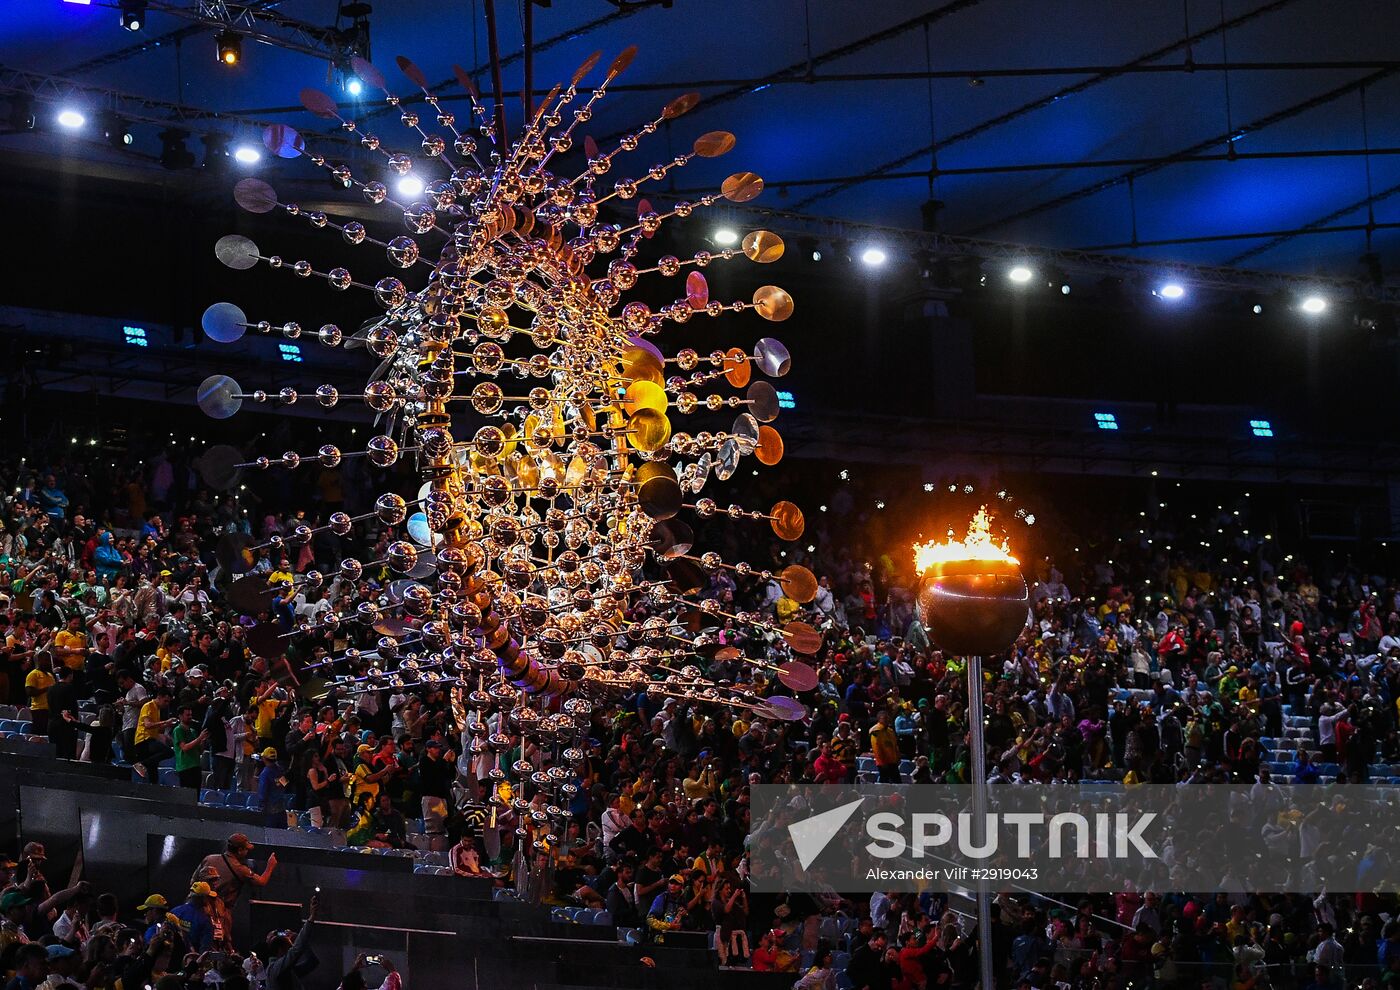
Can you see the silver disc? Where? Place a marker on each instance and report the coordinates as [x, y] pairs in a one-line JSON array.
[[728, 460], [219, 396], [772, 357], [255, 195], [218, 466], [368, 73], [763, 402], [236, 251], [283, 141], [418, 530], [319, 103], [223, 322]]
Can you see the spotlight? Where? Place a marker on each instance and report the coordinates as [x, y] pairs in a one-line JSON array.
[[1172, 290], [133, 14], [353, 86], [173, 152], [229, 47], [726, 236], [72, 119], [410, 185], [1064, 289], [1020, 274], [1258, 309], [816, 254], [215, 150], [1313, 305], [117, 132], [247, 154], [21, 113], [873, 256]]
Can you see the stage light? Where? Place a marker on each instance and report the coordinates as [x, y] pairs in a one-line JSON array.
[[726, 236], [247, 154], [1313, 305], [133, 14], [1020, 274], [116, 131], [410, 185], [21, 113], [1105, 421], [353, 86], [71, 118], [873, 256], [1258, 309], [173, 151], [1064, 289], [816, 255], [229, 47], [1172, 290]]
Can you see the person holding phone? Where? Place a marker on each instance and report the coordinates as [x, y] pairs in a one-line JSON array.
[[355, 980]]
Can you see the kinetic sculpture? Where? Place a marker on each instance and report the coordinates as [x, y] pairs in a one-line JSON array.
[[545, 560]]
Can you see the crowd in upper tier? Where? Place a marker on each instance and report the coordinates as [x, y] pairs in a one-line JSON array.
[[1146, 663]]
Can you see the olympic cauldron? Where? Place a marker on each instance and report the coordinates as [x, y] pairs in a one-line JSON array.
[[972, 597]]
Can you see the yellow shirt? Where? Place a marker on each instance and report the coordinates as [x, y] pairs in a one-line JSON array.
[[884, 745], [363, 786], [267, 711], [150, 714], [739, 727], [65, 640], [40, 681]]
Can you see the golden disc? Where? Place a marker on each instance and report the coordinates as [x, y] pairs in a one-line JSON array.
[[798, 583], [527, 472], [802, 637], [623, 60], [680, 105], [644, 395], [652, 469], [578, 470], [639, 364], [770, 446], [741, 187], [736, 367], [660, 497], [772, 303], [585, 68], [763, 246], [648, 430], [713, 144], [787, 521]]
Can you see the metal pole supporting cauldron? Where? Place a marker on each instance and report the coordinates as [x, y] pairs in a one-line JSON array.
[[973, 608]]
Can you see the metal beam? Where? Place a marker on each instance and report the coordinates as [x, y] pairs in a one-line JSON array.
[[1320, 225], [572, 34], [1015, 167], [1276, 236], [677, 86], [800, 69], [1045, 101], [1227, 138], [914, 242], [57, 89], [140, 47]]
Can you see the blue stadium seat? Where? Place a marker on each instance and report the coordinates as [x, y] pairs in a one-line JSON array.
[[169, 778]]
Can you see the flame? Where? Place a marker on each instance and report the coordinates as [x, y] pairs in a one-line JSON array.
[[978, 545]]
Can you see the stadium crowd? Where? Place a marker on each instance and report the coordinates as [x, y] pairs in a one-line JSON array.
[[1144, 663]]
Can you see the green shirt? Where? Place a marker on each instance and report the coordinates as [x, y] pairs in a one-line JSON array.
[[186, 759]]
